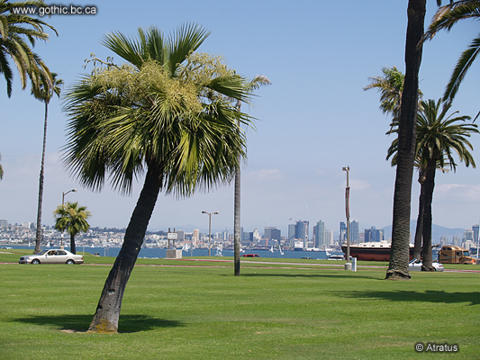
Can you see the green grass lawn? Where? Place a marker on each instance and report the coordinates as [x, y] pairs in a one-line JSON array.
[[269, 312]]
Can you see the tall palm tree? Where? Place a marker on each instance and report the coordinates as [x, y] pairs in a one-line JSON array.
[[398, 266], [44, 93], [254, 84], [18, 33], [444, 19], [390, 86], [439, 136], [168, 112], [73, 219]]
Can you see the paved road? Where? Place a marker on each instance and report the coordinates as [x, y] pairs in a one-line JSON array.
[[285, 265]]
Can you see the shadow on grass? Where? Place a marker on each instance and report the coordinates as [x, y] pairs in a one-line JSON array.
[[126, 324], [331, 276], [428, 296]]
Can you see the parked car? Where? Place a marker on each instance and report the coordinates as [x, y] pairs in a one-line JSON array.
[[52, 256], [416, 265]]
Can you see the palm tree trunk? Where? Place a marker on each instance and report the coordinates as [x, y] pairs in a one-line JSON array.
[[236, 223], [236, 214], [107, 314], [38, 235], [427, 218], [73, 248], [399, 256], [417, 248]]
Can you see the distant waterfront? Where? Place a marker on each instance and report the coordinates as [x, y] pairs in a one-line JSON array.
[[161, 252]]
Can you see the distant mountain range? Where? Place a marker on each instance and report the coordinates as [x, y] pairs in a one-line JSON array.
[[437, 232]]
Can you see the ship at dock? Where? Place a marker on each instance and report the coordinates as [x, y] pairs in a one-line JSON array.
[[372, 251]]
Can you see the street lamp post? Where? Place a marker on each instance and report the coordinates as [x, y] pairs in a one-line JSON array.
[[210, 229], [65, 193], [348, 264], [63, 207]]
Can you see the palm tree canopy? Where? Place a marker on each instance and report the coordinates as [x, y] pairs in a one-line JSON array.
[[440, 137], [390, 86], [168, 107], [47, 88], [72, 218], [444, 19], [17, 33]]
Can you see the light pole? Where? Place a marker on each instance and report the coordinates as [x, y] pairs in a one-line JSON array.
[[210, 229], [63, 207], [348, 264], [65, 193]]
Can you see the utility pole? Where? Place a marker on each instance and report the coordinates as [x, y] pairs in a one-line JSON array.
[[210, 229], [348, 264]]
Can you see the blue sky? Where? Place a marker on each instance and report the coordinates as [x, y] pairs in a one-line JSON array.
[[313, 119]]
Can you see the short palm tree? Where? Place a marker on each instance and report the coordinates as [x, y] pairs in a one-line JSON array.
[[17, 34], [167, 112], [44, 93], [73, 219], [444, 19], [439, 136]]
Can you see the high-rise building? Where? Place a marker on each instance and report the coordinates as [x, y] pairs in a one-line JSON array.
[[195, 237], [301, 231], [342, 236], [354, 232], [468, 235], [291, 231], [180, 235], [329, 237], [475, 229], [272, 233], [373, 235], [319, 239]]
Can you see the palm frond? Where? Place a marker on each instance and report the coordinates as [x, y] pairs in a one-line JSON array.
[[463, 64], [185, 41], [447, 16]]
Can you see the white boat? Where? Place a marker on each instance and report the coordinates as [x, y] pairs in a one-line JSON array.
[[219, 251]]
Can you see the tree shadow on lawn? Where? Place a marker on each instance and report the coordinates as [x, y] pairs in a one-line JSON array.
[[433, 296], [80, 323], [333, 276]]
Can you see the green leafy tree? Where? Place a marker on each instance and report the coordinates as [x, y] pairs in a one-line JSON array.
[[444, 19], [167, 112], [44, 93], [439, 136], [254, 84], [73, 219], [18, 34]]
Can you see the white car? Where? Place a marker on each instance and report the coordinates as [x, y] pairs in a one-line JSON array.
[[52, 256], [416, 265]]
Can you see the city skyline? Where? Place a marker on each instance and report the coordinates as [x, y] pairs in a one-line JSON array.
[[314, 119]]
